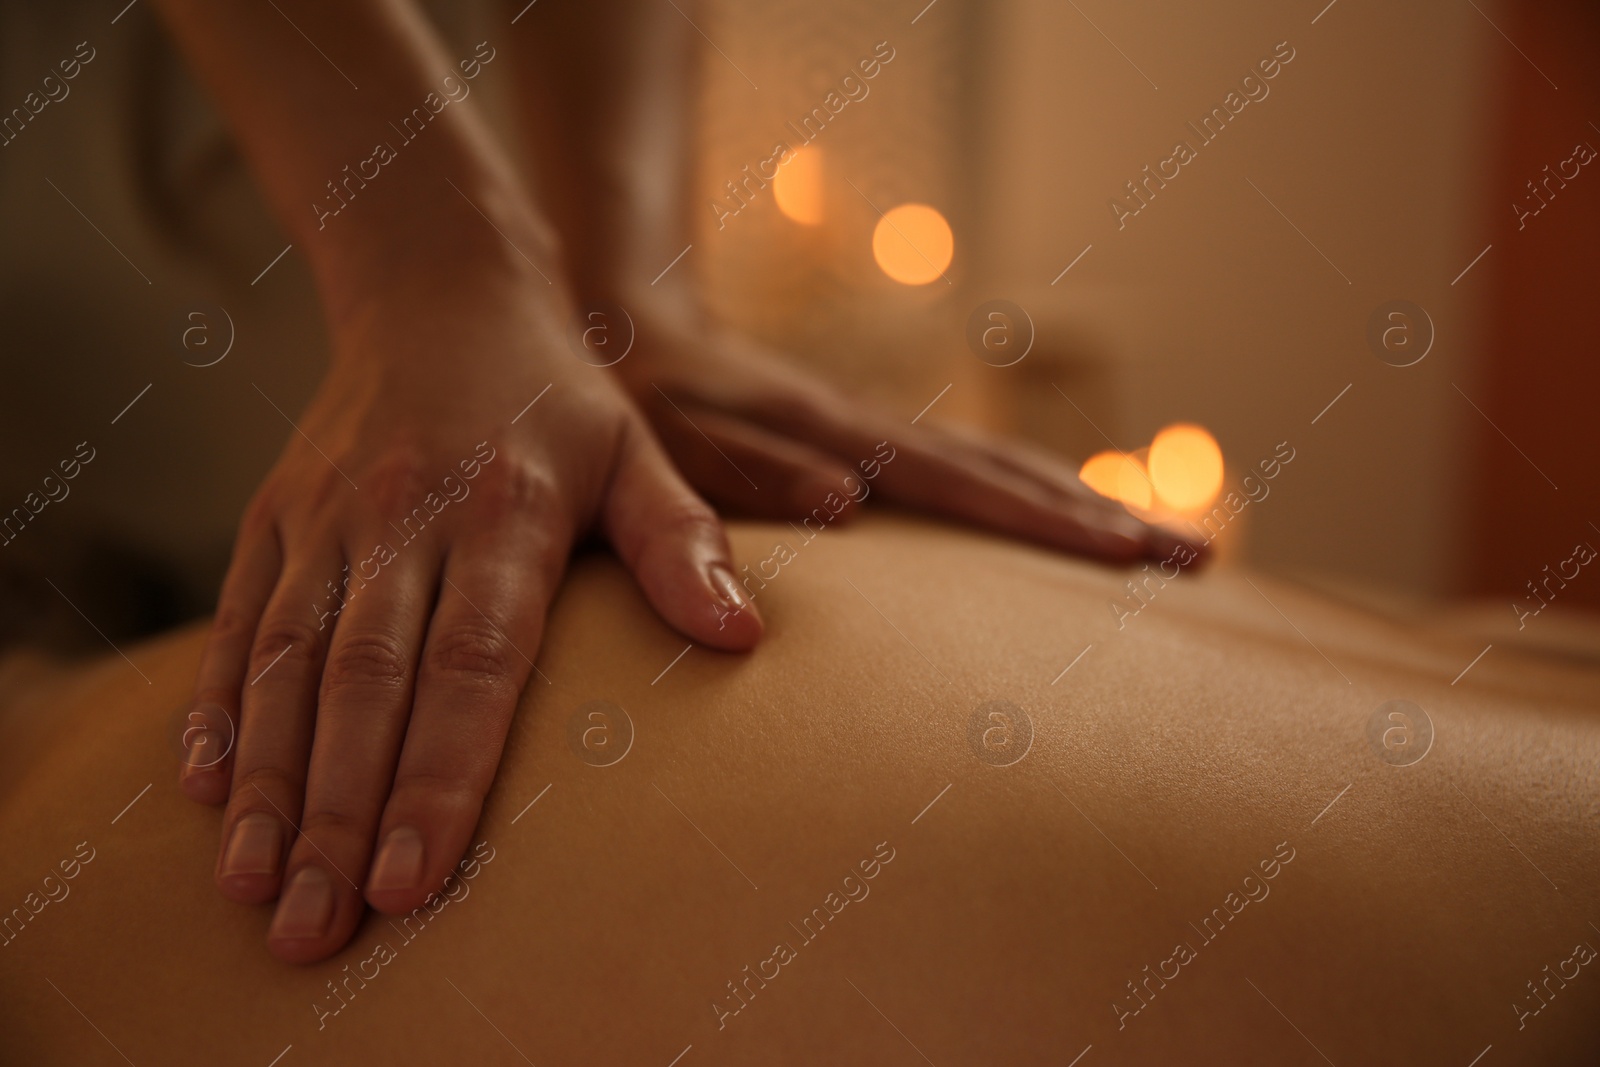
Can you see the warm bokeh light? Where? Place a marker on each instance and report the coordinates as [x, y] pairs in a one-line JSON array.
[[798, 187], [913, 244], [1186, 467], [1119, 477]]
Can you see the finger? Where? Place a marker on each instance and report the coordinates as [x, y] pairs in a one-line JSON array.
[[939, 475], [742, 468], [926, 470], [946, 474], [211, 726], [939, 478], [275, 723], [1062, 485], [1026, 460], [1056, 477], [675, 546], [363, 705], [476, 657]]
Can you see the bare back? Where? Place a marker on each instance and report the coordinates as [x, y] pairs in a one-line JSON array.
[[954, 809]]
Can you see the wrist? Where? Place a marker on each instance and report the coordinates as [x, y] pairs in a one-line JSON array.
[[655, 308], [405, 253]]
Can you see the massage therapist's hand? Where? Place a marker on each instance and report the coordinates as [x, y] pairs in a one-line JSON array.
[[389, 587], [758, 435], [372, 702], [749, 429]]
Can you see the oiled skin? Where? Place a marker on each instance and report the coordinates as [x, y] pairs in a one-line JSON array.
[[1201, 738]]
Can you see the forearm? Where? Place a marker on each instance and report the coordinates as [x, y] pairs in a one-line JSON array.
[[607, 91], [362, 177]]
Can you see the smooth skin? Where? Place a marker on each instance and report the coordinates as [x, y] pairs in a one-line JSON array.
[[366, 740], [606, 909]]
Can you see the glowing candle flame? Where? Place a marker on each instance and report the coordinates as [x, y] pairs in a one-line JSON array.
[[798, 187], [1119, 477], [913, 244], [1186, 467]]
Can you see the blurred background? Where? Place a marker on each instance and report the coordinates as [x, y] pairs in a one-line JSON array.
[[1386, 263]]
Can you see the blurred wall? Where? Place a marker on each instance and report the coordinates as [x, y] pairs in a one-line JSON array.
[[1238, 297], [1539, 494], [1020, 120], [125, 210], [1246, 315], [898, 136]]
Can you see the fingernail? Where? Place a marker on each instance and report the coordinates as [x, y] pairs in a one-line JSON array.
[[399, 862], [254, 846], [725, 587], [195, 758], [306, 908]]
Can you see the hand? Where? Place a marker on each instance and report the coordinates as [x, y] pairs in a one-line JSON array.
[[389, 586], [757, 435]]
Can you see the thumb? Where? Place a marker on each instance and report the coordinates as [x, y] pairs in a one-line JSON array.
[[676, 548]]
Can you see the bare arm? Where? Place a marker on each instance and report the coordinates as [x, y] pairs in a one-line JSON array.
[[390, 579], [609, 90], [313, 90]]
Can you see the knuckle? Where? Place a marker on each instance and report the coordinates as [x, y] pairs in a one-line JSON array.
[[292, 638], [327, 493], [511, 486], [471, 651], [397, 479], [222, 696], [437, 789], [323, 824], [231, 623], [295, 488], [370, 659], [260, 516], [686, 519], [265, 788]]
